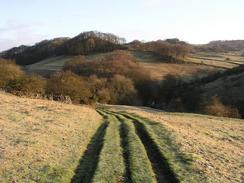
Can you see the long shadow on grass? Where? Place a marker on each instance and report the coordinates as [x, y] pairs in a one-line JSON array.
[[160, 165], [124, 145], [88, 163]]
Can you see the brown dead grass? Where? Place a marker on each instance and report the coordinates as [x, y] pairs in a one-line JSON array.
[[41, 138], [186, 71], [215, 143]]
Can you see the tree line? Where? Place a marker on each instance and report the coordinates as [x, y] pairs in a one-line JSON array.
[[115, 78], [83, 44], [170, 49], [221, 46]]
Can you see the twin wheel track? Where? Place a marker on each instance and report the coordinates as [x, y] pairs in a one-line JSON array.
[[132, 132]]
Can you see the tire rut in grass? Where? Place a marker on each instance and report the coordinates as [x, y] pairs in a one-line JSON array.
[[138, 165], [88, 163], [124, 145], [160, 166]]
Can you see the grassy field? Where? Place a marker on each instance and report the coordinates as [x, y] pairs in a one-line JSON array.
[[187, 72], [42, 141], [45, 141], [157, 66], [48, 66], [220, 60], [214, 145]]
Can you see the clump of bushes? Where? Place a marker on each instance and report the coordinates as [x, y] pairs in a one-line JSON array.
[[69, 84], [27, 85], [217, 108], [119, 80], [14, 80], [115, 63], [8, 71], [122, 90], [66, 85]]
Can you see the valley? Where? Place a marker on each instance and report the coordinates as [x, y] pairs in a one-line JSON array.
[[92, 110], [143, 91]]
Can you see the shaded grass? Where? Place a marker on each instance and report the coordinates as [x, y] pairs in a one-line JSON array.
[[213, 144], [159, 163], [139, 164], [178, 165], [111, 166], [124, 143], [88, 163]]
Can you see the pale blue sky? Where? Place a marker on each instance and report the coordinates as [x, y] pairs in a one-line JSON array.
[[194, 21]]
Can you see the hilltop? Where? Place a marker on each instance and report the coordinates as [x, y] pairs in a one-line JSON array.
[[82, 44]]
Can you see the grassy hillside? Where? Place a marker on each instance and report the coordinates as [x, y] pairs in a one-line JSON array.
[[42, 141], [214, 144], [161, 67], [45, 141], [228, 88], [48, 66], [154, 63], [221, 60]]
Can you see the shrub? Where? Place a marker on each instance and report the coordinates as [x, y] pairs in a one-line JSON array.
[[117, 62], [168, 88], [147, 91], [72, 65], [122, 90], [8, 71], [96, 85], [27, 85], [176, 105], [240, 105], [69, 84], [216, 108], [104, 96], [191, 98]]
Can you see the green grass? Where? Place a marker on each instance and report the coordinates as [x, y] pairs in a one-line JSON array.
[[42, 141], [111, 166], [179, 163], [88, 162], [140, 167], [222, 60]]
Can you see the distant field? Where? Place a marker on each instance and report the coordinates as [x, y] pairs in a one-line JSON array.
[[221, 60], [186, 71], [48, 66], [156, 65], [160, 67], [215, 144], [43, 141]]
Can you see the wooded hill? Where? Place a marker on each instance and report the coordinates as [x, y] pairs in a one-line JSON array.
[[222, 46], [84, 43], [94, 42]]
